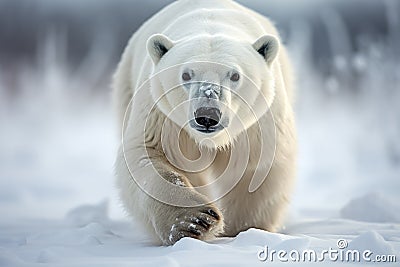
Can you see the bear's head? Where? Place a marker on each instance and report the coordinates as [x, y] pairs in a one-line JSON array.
[[213, 87]]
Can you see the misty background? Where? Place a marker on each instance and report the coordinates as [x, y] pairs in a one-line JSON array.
[[58, 139]]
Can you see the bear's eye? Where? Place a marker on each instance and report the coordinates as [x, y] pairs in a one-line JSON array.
[[186, 76], [235, 77]]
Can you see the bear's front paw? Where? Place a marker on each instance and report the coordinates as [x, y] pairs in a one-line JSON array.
[[201, 223]]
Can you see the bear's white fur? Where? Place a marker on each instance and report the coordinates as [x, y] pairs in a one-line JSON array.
[[178, 181]]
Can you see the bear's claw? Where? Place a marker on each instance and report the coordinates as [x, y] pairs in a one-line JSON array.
[[212, 213], [199, 225]]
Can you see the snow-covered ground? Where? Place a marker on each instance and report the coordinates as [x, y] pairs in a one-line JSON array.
[[87, 237], [58, 205]]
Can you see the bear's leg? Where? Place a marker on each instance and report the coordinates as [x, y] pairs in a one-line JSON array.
[[145, 195]]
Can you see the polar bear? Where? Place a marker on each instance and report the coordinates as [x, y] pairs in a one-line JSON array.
[[203, 93]]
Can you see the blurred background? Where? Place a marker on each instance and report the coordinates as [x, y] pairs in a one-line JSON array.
[[58, 138]]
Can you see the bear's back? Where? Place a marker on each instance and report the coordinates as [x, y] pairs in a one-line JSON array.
[[185, 19]]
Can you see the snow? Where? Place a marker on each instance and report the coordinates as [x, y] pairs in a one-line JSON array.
[[380, 209], [58, 203], [107, 242]]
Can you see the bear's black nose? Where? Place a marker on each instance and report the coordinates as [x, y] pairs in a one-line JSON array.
[[207, 117]]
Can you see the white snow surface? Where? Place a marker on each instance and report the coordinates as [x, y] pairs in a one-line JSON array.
[[59, 207], [87, 237]]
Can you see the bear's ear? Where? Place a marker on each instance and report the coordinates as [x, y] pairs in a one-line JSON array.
[[157, 46], [268, 47]]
